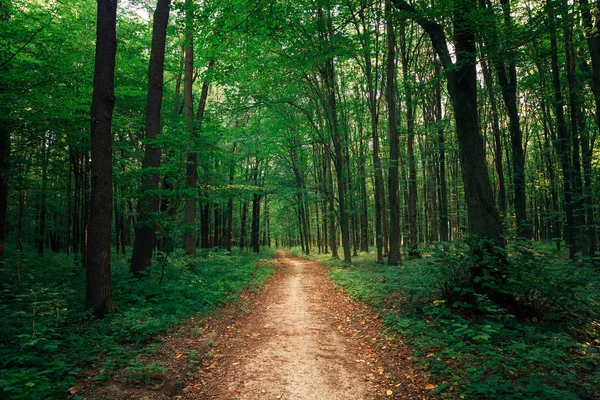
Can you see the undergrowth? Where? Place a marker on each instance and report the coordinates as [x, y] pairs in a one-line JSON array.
[[481, 351], [46, 338]]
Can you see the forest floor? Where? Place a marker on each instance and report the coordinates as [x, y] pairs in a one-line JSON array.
[[299, 337]]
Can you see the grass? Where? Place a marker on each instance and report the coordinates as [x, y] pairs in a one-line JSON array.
[[46, 338], [482, 351]]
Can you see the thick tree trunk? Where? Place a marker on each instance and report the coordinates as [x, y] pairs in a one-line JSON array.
[[98, 280], [483, 218], [394, 257], [148, 203]]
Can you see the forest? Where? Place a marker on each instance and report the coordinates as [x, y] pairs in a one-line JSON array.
[[437, 157]]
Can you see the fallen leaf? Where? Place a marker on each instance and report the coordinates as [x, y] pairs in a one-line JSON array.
[[430, 387]]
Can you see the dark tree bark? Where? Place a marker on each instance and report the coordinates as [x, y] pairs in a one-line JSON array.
[[98, 280], [4, 155], [256, 199], [562, 141], [443, 190], [331, 208], [4, 171], [191, 171], [394, 257], [364, 207], [148, 203], [483, 218], [228, 235], [44, 197], [410, 149]]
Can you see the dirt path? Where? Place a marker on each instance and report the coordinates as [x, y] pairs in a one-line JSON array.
[[299, 338], [303, 340]]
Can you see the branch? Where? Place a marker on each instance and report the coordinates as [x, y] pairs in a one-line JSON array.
[[433, 29]]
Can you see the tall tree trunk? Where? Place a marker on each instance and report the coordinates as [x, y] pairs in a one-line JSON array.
[[364, 207], [229, 233], [243, 227], [379, 186], [98, 281], [148, 203], [394, 257], [4, 171], [410, 129], [76, 163], [44, 197], [329, 79], [507, 77], [562, 142], [256, 198], [331, 212], [191, 171], [443, 189]]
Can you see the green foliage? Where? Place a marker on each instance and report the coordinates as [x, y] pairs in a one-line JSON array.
[[484, 352], [47, 339]]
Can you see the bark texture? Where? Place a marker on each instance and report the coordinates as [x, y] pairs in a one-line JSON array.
[[98, 281], [148, 204]]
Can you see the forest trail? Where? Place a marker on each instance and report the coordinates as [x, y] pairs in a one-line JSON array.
[[304, 339]]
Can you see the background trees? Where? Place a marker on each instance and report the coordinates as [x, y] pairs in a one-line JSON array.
[[282, 106]]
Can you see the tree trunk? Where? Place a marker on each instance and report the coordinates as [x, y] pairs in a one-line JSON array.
[[98, 280], [410, 130], [191, 171], [394, 257], [562, 142], [44, 197], [443, 190], [148, 203]]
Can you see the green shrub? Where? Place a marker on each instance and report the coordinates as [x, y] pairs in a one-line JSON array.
[[485, 352], [46, 338]]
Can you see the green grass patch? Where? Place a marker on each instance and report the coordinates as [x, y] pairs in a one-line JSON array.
[[481, 351], [46, 338]]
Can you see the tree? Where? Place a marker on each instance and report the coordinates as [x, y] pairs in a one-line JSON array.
[[394, 257], [98, 279], [191, 171], [145, 231], [483, 218]]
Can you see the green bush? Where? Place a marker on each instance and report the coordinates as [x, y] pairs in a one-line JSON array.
[[484, 352], [46, 338]]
